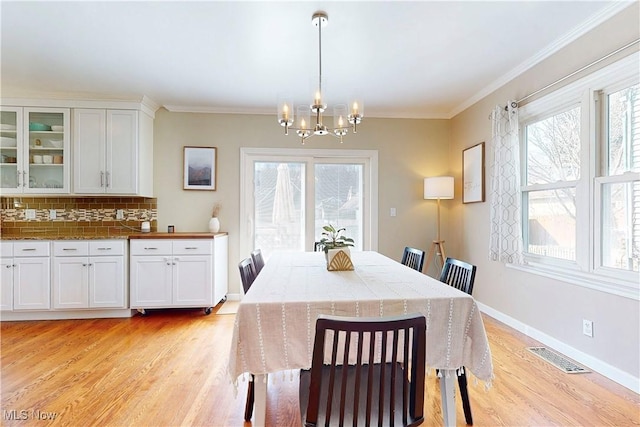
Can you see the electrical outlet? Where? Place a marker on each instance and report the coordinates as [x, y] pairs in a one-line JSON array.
[[30, 213], [392, 212], [120, 214], [53, 214], [587, 327]]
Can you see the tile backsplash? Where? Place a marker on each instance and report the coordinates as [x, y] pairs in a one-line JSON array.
[[74, 216]]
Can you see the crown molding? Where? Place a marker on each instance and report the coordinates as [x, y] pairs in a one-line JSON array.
[[605, 14]]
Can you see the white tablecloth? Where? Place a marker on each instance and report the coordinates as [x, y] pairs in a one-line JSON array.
[[275, 323]]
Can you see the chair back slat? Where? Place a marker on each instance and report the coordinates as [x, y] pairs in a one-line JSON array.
[[247, 273], [413, 258], [385, 388]]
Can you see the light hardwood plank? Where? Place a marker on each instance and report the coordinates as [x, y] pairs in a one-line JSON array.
[[168, 369]]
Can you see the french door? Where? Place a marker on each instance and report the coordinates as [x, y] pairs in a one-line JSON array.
[[288, 195]]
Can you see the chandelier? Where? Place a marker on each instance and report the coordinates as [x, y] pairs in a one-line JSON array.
[[343, 116]]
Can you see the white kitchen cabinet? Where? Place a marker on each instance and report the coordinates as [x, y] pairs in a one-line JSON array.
[[6, 276], [25, 276], [171, 273], [35, 150], [88, 274], [113, 152]]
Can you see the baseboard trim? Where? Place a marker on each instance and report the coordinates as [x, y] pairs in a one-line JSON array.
[[614, 374], [9, 316]]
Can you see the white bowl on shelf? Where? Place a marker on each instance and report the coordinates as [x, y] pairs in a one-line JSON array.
[[57, 128], [55, 143], [6, 141]]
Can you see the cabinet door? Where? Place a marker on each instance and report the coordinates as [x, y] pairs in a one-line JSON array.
[[122, 151], [89, 139], [12, 174], [150, 281], [106, 282], [193, 285], [46, 150], [6, 284], [70, 282], [31, 280]]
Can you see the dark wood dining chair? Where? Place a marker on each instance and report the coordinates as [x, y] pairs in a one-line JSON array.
[[258, 260], [248, 275], [460, 275], [318, 247], [375, 378], [414, 258]]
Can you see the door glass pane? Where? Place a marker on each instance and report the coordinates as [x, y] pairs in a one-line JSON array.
[[338, 200], [552, 223], [553, 148], [623, 124], [279, 206], [8, 149], [620, 225], [46, 150]]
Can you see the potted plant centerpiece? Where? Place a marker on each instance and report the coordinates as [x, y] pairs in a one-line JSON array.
[[336, 248]]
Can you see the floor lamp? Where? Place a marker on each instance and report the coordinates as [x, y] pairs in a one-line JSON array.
[[438, 187]]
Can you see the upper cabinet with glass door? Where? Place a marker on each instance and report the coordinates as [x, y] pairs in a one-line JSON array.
[[42, 151], [10, 139]]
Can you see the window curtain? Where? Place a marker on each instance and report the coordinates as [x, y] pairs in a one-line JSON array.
[[505, 236]]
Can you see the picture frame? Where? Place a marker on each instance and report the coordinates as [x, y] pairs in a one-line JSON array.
[[200, 168], [473, 174]]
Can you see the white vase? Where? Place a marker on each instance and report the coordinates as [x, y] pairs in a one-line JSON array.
[[214, 225]]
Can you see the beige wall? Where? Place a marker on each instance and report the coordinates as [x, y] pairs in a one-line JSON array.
[[408, 151], [550, 307]]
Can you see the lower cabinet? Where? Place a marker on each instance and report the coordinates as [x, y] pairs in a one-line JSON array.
[[25, 276], [89, 274], [166, 273]]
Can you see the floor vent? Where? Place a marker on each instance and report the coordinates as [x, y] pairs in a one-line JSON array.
[[558, 360]]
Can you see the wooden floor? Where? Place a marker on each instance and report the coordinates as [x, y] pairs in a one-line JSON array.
[[168, 369]]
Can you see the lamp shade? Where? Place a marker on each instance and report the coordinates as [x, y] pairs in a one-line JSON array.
[[438, 187]]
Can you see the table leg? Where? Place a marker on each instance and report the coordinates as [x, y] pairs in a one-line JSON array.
[[447, 392], [260, 402]]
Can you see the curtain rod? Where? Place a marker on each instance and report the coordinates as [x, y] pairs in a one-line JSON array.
[[515, 103]]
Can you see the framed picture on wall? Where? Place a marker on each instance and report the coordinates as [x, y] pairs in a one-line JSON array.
[[473, 174], [200, 168]]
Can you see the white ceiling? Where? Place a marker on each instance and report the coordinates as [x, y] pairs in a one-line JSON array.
[[405, 59]]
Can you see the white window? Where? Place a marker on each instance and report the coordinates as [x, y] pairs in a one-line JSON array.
[[581, 180]]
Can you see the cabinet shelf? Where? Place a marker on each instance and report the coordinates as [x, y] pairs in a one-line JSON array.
[[44, 132]]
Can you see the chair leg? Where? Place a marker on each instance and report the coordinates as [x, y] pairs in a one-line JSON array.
[[466, 406], [248, 407]]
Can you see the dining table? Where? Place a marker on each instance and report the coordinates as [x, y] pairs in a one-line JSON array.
[[274, 327]]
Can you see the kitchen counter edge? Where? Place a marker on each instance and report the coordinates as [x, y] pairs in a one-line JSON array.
[[181, 235]]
